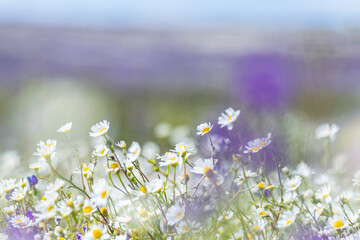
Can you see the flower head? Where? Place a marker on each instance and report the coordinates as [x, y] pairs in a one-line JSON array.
[[327, 131], [100, 129], [175, 214], [227, 118], [204, 128], [202, 166], [65, 128]]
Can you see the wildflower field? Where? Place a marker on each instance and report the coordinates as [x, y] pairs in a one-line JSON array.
[[206, 187]]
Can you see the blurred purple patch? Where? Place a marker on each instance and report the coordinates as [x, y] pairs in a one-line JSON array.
[[266, 81], [32, 180]]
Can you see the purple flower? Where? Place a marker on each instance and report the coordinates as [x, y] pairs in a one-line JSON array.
[[32, 180]]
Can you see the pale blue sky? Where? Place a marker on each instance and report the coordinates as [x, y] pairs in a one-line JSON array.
[[182, 14]]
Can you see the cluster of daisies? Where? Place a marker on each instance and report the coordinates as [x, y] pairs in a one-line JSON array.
[[119, 192]]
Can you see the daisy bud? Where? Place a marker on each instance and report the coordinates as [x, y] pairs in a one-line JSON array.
[[70, 203], [121, 144], [186, 178], [261, 185], [89, 175], [104, 211], [156, 169], [285, 170]]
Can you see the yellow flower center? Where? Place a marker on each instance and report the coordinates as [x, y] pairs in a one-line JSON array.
[[255, 149], [179, 215], [294, 186], [114, 165], [87, 209], [97, 233], [338, 224], [206, 170], [206, 130], [261, 185], [61, 238], [325, 195], [36, 168], [143, 189], [48, 145], [230, 118], [102, 130], [51, 207], [43, 198], [262, 143], [143, 213], [262, 213], [18, 220], [104, 194], [288, 222], [66, 130], [256, 227], [102, 152], [85, 169]]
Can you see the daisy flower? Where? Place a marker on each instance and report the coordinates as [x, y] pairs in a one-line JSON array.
[[293, 183], [227, 118], [259, 226], [121, 144], [204, 128], [36, 166], [324, 193], [257, 144], [201, 166], [287, 219], [46, 150], [175, 214], [18, 194], [304, 170], [134, 151], [101, 193], [20, 221], [155, 186], [65, 128], [337, 222], [182, 148], [100, 129], [56, 185], [326, 131], [88, 208], [101, 150], [85, 169], [113, 167], [96, 232], [169, 158], [356, 179]]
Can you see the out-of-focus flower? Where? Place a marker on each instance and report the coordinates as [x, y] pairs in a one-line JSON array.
[[169, 158], [175, 214], [134, 151], [356, 179], [121, 144], [337, 222], [163, 130], [101, 193], [293, 183], [101, 150], [324, 194], [20, 221], [46, 150], [96, 232], [204, 128], [304, 170], [201, 166], [287, 219], [65, 128], [227, 118], [326, 131], [154, 186], [258, 144], [100, 129]]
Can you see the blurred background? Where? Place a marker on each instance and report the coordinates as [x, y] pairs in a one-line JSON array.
[[288, 66]]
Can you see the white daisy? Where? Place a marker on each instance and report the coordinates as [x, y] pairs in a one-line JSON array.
[[113, 167], [65, 128], [326, 131], [121, 144], [36, 166], [56, 185], [155, 186], [201, 166], [20, 221], [134, 151], [304, 170], [100, 129], [101, 192], [293, 183], [101, 150], [356, 179], [169, 158], [175, 214], [85, 169], [88, 207], [18, 194], [259, 225], [204, 128], [227, 118], [258, 144], [46, 150], [96, 232], [324, 194], [182, 148], [337, 222], [287, 219]]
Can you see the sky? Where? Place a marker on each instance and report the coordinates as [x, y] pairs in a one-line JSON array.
[[165, 14]]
